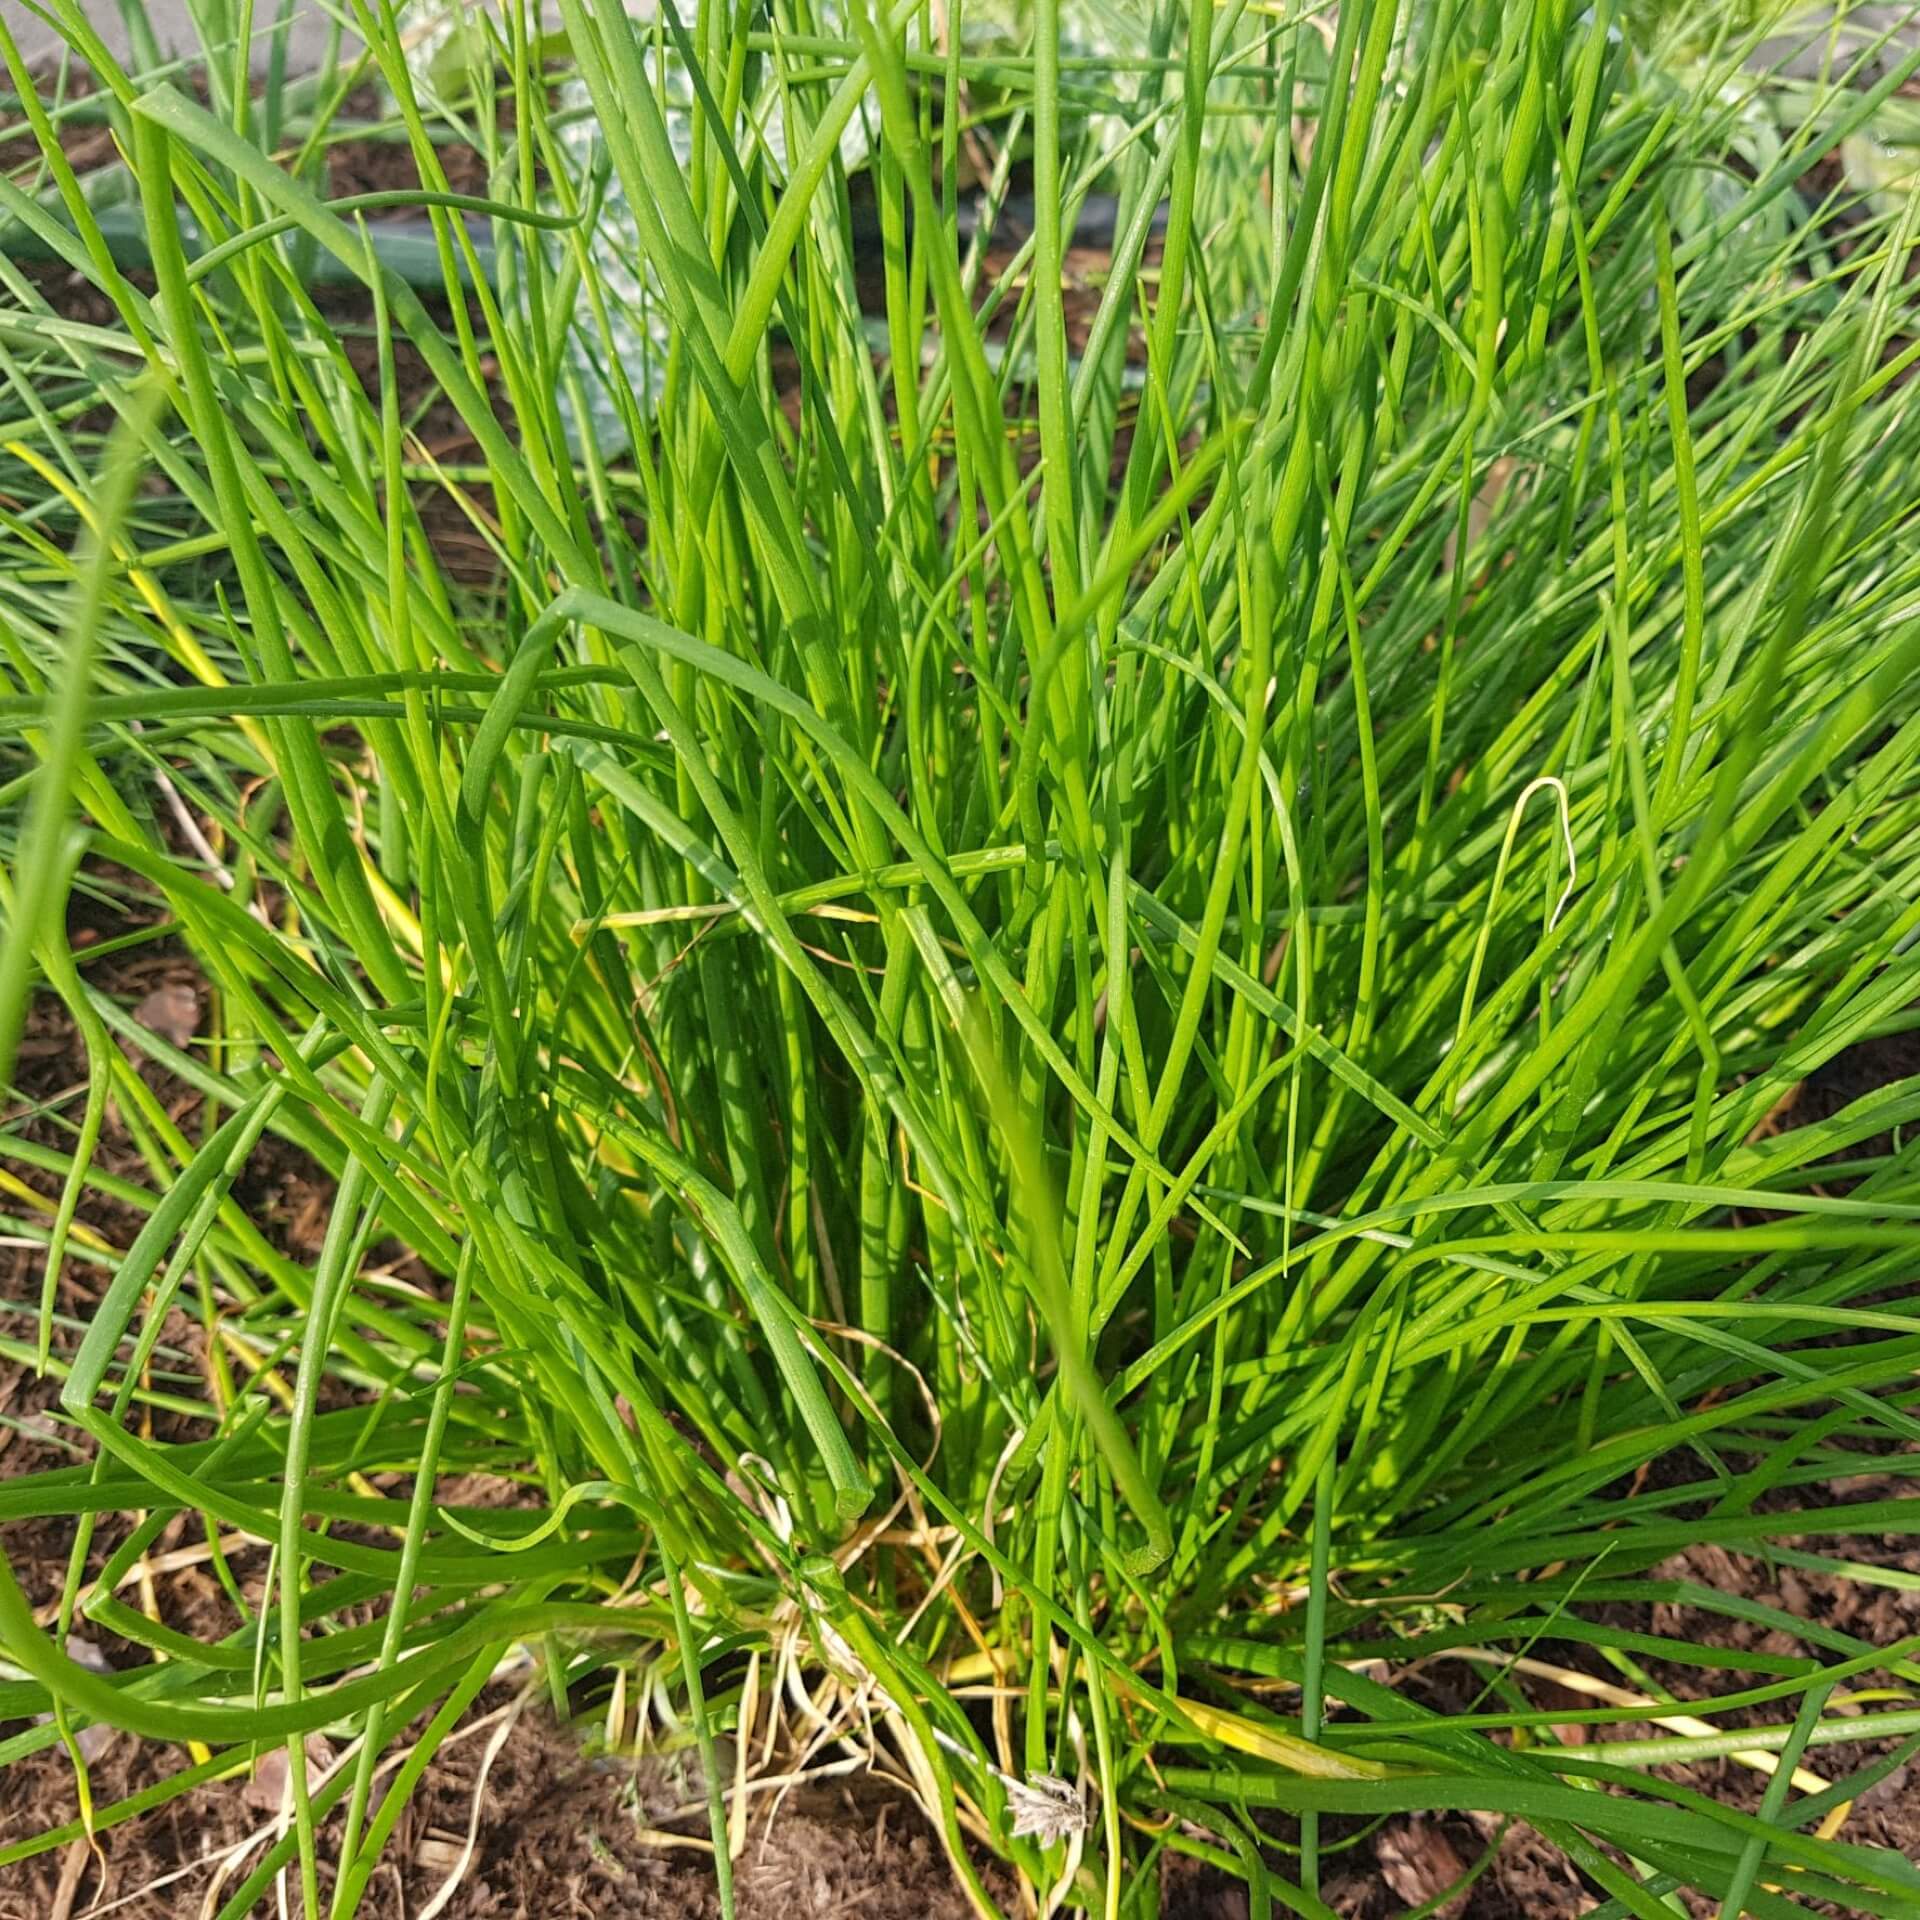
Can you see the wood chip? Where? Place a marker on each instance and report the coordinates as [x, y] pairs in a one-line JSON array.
[[73, 1864], [1418, 1862]]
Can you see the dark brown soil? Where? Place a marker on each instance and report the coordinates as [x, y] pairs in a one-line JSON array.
[[386, 165], [532, 1831]]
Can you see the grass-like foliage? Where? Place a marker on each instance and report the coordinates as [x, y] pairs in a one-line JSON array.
[[1058, 1010]]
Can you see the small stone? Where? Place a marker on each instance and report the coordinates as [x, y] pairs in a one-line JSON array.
[[267, 1789], [92, 1740], [171, 1012]]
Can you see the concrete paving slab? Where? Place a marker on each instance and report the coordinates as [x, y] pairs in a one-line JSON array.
[[173, 28]]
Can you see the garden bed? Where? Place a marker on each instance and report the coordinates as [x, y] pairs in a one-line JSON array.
[[1120, 1042]]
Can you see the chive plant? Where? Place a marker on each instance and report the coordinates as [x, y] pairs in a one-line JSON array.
[[1064, 1013]]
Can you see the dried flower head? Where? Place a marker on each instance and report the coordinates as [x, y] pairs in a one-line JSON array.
[[1049, 1809]]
